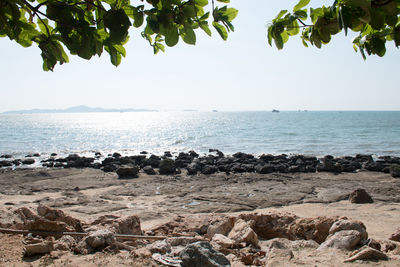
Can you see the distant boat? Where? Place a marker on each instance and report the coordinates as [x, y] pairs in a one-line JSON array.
[[275, 110], [214, 110]]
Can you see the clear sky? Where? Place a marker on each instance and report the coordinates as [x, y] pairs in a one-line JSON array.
[[242, 73]]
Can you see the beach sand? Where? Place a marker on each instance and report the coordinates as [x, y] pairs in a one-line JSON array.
[[88, 193]]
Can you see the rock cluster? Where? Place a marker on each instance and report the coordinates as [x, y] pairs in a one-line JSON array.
[[267, 239], [216, 161]]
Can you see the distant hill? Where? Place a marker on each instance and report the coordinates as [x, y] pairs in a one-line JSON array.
[[76, 109]]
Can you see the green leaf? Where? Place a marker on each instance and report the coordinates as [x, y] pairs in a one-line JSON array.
[[201, 2], [221, 30], [204, 27], [171, 36], [283, 12], [278, 41], [224, 1], [189, 36], [300, 5]]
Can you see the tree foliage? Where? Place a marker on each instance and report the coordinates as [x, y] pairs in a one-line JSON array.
[[87, 27], [375, 23]]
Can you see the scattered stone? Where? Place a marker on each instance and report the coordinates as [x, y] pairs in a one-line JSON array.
[[367, 253], [202, 254], [125, 172], [116, 155], [6, 156], [395, 170], [346, 240], [58, 215], [360, 196]]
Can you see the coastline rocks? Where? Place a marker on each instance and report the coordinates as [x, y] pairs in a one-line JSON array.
[[6, 156], [149, 170], [167, 166], [360, 196], [28, 161], [5, 163], [126, 172], [202, 254], [395, 170]]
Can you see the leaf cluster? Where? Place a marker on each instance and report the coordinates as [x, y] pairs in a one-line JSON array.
[[376, 22], [88, 27]]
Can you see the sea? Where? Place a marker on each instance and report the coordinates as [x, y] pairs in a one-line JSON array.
[[318, 133]]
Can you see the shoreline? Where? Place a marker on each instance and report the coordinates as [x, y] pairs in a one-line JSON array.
[[213, 162]]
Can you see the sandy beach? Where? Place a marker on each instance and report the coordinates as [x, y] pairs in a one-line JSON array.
[[87, 194]]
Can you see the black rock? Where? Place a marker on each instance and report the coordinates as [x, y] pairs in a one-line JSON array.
[[28, 161], [116, 155], [193, 154], [167, 154], [109, 168], [143, 152], [167, 166], [127, 172], [395, 170], [266, 158], [17, 162], [36, 155], [149, 170], [193, 168], [375, 166], [153, 161], [360, 196], [263, 169], [53, 154], [209, 169], [72, 157], [6, 156], [242, 155], [202, 254], [5, 163]]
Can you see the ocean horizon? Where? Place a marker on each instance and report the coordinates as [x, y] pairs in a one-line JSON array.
[[317, 133]]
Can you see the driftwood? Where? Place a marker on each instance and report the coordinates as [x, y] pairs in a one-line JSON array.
[[45, 233]]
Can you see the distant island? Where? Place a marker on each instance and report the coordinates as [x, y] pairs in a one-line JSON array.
[[76, 109]]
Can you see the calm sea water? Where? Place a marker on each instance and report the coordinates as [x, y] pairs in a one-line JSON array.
[[313, 133]]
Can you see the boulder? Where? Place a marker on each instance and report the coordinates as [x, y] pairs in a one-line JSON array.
[[263, 169], [28, 161], [6, 156], [58, 215], [167, 166], [126, 171], [395, 236], [346, 240], [149, 170], [65, 243], [242, 232], [360, 196], [5, 163], [202, 254], [100, 239], [395, 170], [344, 224], [193, 168]]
